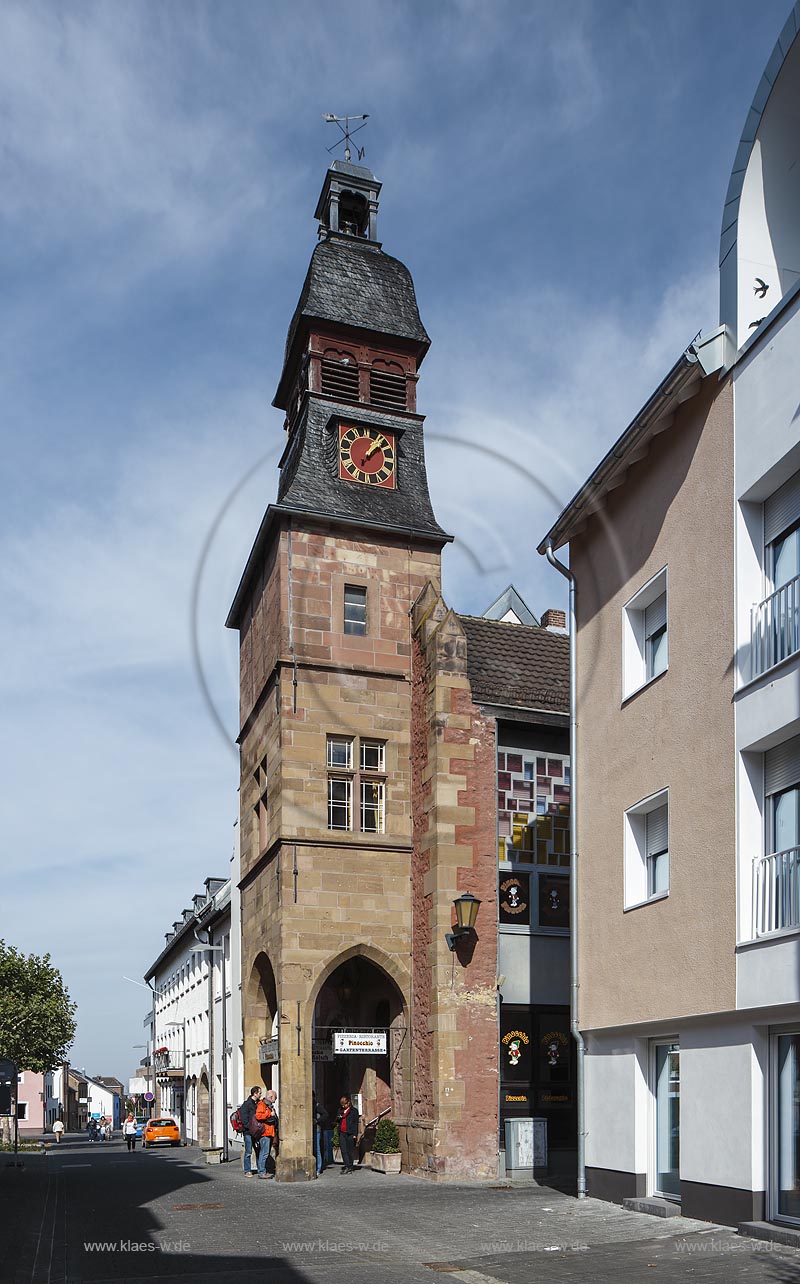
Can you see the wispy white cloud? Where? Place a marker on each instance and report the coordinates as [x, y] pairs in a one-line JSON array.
[[160, 166]]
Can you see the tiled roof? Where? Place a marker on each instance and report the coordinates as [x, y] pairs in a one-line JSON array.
[[354, 283], [517, 665], [310, 481]]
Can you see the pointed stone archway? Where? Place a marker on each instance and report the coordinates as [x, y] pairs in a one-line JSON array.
[[362, 988], [260, 1020], [203, 1105]]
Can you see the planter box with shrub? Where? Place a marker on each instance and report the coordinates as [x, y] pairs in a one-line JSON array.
[[386, 1148]]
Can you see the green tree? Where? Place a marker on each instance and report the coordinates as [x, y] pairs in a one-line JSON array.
[[37, 1016]]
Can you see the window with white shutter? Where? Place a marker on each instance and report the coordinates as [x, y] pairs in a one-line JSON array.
[[646, 852], [644, 635]]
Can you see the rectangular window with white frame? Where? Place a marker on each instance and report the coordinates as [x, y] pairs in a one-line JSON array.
[[357, 774], [775, 626], [644, 635], [776, 885], [355, 609], [646, 850], [340, 802], [340, 752]]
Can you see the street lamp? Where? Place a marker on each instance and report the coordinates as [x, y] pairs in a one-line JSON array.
[[147, 985], [466, 908], [181, 1025], [206, 948], [146, 1047]]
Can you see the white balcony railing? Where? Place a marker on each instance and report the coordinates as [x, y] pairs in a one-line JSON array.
[[776, 892], [775, 627]]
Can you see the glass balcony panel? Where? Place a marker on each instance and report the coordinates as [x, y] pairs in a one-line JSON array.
[[775, 632], [776, 892]]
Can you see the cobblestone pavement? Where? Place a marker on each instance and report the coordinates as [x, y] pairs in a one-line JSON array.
[[96, 1213]]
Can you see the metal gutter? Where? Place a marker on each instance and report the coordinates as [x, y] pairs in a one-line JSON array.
[[573, 872], [686, 370]]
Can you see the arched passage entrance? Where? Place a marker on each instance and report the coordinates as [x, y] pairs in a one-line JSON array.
[[359, 996], [260, 1023], [203, 1133]]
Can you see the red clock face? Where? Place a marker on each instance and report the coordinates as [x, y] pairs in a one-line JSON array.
[[366, 455]]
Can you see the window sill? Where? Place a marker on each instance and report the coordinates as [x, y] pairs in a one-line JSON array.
[[768, 674], [780, 935], [644, 686], [651, 900], [514, 929]]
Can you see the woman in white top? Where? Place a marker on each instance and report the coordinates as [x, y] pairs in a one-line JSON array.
[[129, 1132]]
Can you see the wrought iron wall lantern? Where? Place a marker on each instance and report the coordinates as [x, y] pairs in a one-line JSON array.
[[466, 908]]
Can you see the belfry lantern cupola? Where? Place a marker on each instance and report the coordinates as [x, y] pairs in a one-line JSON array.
[[348, 203]]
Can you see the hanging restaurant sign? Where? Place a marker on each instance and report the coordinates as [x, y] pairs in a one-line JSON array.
[[515, 899], [268, 1052], [371, 1043]]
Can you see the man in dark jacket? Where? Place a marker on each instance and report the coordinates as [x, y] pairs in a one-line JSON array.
[[348, 1131], [247, 1112]]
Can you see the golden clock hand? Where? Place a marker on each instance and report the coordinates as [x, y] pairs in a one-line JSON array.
[[371, 450]]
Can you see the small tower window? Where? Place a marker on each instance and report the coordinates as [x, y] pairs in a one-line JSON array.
[[387, 386], [355, 609], [353, 214], [340, 376]]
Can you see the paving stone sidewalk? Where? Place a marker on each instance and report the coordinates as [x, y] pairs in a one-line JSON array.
[[91, 1215]]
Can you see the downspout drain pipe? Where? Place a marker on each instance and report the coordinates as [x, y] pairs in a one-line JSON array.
[[573, 871]]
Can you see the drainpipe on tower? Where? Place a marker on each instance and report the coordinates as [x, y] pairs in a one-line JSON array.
[[573, 872]]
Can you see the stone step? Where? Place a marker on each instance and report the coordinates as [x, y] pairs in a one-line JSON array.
[[774, 1234], [654, 1205]]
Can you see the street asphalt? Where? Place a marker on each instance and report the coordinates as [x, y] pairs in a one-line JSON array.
[[94, 1212]]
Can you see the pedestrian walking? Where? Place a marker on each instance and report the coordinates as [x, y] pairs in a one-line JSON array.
[[251, 1128], [93, 1129], [348, 1132], [321, 1127], [58, 1129], [129, 1132], [267, 1116]]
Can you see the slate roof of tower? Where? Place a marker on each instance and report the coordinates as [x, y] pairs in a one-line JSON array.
[[350, 282], [517, 665], [310, 480]]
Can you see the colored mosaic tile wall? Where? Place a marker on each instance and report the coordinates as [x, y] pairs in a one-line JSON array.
[[533, 793]]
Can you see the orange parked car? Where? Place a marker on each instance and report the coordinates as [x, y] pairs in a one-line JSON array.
[[161, 1130]]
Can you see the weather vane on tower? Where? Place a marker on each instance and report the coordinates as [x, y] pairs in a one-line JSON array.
[[344, 124]]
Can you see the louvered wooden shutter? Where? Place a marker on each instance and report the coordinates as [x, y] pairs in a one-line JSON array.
[[657, 830], [782, 509], [782, 766], [655, 616]]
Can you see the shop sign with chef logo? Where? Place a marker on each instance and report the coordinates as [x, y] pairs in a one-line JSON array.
[[553, 900], [515, 899], [516, 1043]]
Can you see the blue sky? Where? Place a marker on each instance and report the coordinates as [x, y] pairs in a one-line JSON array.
[[554, 178]]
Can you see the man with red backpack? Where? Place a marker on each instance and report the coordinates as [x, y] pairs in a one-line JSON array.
[[267, 1116], [251, 1131]]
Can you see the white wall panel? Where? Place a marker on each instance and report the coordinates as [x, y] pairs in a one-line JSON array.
[[768, 972], [719, 1073], [765, 402], [613, 1084], [536, 968]]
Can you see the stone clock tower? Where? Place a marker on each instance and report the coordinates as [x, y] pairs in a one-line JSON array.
[[341, 838]]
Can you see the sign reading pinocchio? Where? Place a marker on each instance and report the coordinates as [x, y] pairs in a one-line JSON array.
[[365, 1043], [516, 1043]]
